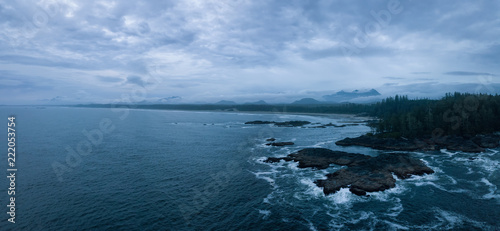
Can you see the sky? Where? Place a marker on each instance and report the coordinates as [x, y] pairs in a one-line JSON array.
[[203, 51]]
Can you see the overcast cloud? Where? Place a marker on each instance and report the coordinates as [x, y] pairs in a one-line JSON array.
[[278, 51]]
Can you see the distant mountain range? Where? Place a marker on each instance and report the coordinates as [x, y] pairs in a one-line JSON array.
[[339, 97], [307, 101], [226, 102], [343, 96], [170, 99], [260, 102]]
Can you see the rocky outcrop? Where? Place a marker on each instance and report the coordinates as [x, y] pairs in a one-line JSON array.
[[456, 143], [321, 158], [260, 122], [383, 143], [295, 123], [363, 173], [279, 144]]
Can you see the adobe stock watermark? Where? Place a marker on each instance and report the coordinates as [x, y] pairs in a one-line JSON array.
[[94, 137], [363, 38], [34, 23], [462, 111]]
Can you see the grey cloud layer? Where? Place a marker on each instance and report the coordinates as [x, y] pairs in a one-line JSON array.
[[212, 50]]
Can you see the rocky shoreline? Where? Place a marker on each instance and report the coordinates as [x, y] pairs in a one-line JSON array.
[[474, 144], [363, 173], [300, 123]]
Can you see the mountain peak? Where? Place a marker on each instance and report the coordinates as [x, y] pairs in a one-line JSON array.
[[343, 96], [307, 101]]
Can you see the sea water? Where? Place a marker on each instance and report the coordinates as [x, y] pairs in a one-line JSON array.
[[188, 170]]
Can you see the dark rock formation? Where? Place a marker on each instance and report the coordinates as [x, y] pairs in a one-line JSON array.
[[456, 143], [279, 144], [321, 158], [340, 126], [295, 123], [271, 139], [382, 143], [364, 173], [260, 122]]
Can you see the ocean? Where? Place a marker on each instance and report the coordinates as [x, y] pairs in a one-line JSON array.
[[104, 169]]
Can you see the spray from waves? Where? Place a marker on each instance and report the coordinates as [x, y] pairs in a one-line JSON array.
[[312, 190], [343, 196], [388, 194]]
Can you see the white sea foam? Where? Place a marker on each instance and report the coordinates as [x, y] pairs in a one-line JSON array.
[[389, 193], [322, 144], [452, 180], [267, 176], [396, 226], [492, 188], [487, 164], [396, 209], [426, 177], [266, 213], [343, 196], [310, 225], [293, 165], [312, 189], [449, 220], [261, 159], [268, 199], [363, 216], [343, 217], [450, 154]]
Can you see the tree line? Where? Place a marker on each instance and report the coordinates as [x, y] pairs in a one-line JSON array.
[[454, 114]]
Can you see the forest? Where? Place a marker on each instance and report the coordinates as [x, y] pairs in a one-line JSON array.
[[455, 114]]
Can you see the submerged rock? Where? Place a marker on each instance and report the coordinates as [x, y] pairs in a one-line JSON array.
[[271, 139], [363, 173]]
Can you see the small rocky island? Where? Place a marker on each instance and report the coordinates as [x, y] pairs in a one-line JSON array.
[[280, 144], [363, 173], [294, 123]]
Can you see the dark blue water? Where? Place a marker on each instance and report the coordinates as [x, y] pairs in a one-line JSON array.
[[173, 170]]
